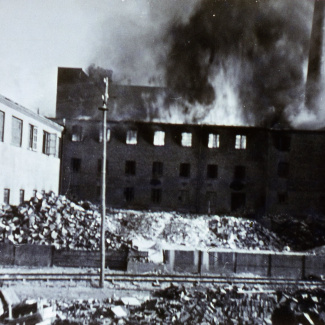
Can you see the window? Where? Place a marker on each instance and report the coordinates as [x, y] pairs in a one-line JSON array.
[[32, 137], [159, 138], [283, 169], [49, 143], [99, 166], [157, 169], [130, 167], [238, 201], [211, 200], [184, 170], [76, 133], [213, 140], [184, 196], [76, 164], [16, 132], [6, 196], [108, 135], [212, 171], [129, 194], [186, 139], [2, 125], [21, 196], [240, 172], [156, 195], [282, 141], [282, 197], [240, 142], [131, 137]]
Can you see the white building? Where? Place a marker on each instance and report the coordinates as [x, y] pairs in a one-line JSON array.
[[29, 153]]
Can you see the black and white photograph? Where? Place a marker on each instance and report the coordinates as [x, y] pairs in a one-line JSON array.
[[162, 162]]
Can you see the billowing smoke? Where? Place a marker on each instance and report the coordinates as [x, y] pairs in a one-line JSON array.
[[240, 61]]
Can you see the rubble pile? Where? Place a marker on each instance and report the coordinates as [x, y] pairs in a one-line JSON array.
[[223, 305], [54, 220]]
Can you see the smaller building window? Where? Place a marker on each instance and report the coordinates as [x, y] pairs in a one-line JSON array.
[[131, 137], [214, 140], [184, 170], [6, 196], [240, 141], [76, 133], [187, 139], [240, 172], [212, 171], [21, 196], [2, 125], [159, 138], [283, 169], [157, 169], [32, 137], [130, 167], [16, 132], [76, 164], [108, 135], [129, 194], [156, 195], [49, 143], [184, 196]]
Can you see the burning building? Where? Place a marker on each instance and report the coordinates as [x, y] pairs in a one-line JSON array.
[[156, 161]]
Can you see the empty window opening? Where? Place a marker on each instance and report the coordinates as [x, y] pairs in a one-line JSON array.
[[184, 170], [159, 138], [21, 196], [6, 196], [238, 201], [282, 197], [213, 140], [184, 196], [2, 125], [129, 194], [157, 169], [283, 169], [240, 172], [76, 164], [211, 200], [16, 132], [282, 141], [131, 137], [212, 171], [240, 141], [49, 143], [186, 139], [76, 133], [130, 167], [108, 135], [156, 195], [32, 137]]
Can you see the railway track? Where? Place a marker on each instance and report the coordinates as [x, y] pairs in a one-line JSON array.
[[156, 280]]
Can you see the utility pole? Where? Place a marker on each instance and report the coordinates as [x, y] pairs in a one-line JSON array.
[[102, 238]]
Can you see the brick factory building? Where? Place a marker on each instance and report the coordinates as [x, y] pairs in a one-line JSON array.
[[184, 167], [29, 151]]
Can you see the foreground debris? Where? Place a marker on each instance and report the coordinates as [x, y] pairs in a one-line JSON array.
[[223, 305]]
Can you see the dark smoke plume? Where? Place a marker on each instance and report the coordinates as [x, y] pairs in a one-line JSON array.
[[261, 47]]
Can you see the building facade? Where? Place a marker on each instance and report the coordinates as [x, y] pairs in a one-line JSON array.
[[29, 151]]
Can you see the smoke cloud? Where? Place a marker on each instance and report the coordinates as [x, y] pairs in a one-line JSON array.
[[240, 61]]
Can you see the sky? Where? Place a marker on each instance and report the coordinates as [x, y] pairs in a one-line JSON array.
[[38, 36]]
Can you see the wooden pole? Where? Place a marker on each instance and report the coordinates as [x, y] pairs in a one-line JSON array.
[[102, 238]]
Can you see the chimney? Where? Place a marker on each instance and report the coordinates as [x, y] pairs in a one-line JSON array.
[[315, 84]]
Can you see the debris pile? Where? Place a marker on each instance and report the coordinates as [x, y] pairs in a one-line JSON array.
[[54, 220], [223, 305]]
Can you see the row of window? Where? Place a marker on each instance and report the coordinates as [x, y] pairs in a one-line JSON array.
[[159, 138], [6, 196], [49, 139], [158, 169]]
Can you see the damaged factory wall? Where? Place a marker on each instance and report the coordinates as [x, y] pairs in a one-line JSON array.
[[29, 151]]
